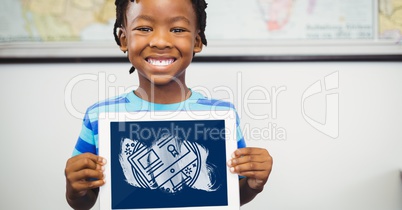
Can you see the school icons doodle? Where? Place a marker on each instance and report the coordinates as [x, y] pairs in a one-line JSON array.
[[169, 164]]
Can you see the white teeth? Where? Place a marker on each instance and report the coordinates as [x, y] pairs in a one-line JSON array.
[[156, 62]]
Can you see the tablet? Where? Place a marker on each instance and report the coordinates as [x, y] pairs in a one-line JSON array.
[[168, 160]]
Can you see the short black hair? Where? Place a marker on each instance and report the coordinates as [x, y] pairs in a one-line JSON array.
[[199, 7]]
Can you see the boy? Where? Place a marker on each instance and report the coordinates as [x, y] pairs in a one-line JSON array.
[[160, 38]]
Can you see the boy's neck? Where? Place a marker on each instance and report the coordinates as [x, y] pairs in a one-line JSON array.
[[163, 94]]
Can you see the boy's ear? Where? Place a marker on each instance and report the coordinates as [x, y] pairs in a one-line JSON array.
[[197, 44], [123, 40]]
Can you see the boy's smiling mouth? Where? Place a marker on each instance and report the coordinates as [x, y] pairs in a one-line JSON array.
[[160, 61]]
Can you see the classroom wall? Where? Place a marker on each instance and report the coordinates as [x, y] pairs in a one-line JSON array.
[[350, 161]]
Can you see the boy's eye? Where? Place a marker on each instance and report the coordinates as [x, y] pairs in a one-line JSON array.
[[178, 30], [143, 29]]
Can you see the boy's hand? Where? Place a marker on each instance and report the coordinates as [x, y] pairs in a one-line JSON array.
[[253, 163], [83, 172]]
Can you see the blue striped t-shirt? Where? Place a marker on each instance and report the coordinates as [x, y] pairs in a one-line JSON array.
[[129, 102]]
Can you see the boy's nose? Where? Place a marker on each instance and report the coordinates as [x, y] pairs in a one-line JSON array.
[[160, 40]]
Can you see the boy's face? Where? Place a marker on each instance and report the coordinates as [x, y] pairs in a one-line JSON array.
[[160, 37]]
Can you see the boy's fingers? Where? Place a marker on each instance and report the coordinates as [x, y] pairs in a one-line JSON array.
[[89, 156], [249, 151], [88, 174], [84, 161], [83, 156], [87, 185], [79, 165], [248, 159], [250, 166], [84, 175], [261, 158]]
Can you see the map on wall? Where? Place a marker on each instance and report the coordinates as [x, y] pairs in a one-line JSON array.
[[292, 19], [390, 19], [56, 20], [50, 21]]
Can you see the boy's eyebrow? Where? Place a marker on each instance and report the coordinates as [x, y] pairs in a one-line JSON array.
[[144, 17], [179, 18], [171, 20]]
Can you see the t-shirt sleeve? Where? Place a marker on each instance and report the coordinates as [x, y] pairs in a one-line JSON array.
[[86, 140]]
